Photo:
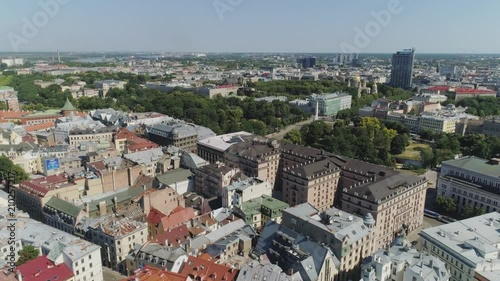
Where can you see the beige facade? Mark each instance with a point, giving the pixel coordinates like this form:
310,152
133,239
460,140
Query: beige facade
163,200
256,157
211,179
396,201
77,136
117,238
314,183
351,238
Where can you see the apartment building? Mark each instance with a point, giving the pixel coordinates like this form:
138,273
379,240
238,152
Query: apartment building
295,253
155,255
149,273
255,157
330,104
313,182
62,215
243,190
469,248
395,200
256,212
105,85
402,262
471,181
200,268
351,238
77,136
117,238
148,160
32,195
211,179
81,257
181,135
115,172
213,148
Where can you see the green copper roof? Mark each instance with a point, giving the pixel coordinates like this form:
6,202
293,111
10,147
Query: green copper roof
68,106
64,206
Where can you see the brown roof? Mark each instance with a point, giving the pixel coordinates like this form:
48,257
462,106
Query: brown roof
155,274
204,268
174,237
177,217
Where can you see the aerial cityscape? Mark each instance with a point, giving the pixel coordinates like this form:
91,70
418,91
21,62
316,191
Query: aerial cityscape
230,140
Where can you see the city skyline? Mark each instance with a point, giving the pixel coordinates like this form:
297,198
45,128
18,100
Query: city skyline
223,26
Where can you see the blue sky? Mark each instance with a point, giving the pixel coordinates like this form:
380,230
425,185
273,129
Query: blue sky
444,26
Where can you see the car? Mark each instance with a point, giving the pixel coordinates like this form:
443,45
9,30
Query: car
446,219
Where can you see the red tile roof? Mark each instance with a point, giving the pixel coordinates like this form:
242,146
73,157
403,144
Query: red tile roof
155,216
149,273
207,269
468,91
173,237
439,88
42,269
177,217
37,127
134,142
43,185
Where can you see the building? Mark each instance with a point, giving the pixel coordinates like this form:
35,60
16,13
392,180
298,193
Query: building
210,180
471,181
77,135
469,248
32,195
42,268
402,68
147,159
155,255
394,199
255,157
117,238
204,268
149,273
243,190
62,215
351,238
183,136
81,257
315,183
212,91
308,62
13,62
50,115
295,253
128,142
330,104
105,85
256,212
9,96
401,262
271,272
213,148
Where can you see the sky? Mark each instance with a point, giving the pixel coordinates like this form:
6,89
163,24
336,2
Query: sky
322,26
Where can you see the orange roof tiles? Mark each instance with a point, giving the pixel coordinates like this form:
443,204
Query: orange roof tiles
155,216
37,127
204,268
149,273
178,217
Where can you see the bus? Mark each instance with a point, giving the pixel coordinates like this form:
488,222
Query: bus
431,214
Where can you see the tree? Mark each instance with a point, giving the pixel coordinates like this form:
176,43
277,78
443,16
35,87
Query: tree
26,254
20,174
399,143
445,205
294,136
427,157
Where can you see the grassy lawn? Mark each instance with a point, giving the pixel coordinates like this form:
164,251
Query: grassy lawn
5,80
412,151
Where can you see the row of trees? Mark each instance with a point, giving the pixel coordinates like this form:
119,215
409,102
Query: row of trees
448,206
7,165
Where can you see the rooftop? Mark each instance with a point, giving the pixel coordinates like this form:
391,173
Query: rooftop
476,165
223,142
473,241
44,269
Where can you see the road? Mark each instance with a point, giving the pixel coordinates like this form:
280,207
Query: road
279,135
428,223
